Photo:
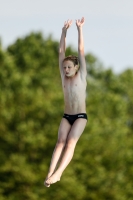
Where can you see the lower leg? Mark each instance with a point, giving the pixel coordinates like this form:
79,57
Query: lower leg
55,159
67,156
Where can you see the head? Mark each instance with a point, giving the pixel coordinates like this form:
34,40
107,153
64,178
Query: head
70,65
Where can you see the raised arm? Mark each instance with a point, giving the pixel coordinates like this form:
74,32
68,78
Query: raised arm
62,45
79,24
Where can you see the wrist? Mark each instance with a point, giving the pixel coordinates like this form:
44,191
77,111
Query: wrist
79,28
64,30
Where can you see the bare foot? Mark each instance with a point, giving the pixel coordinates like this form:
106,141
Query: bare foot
45,182
54,178
47,185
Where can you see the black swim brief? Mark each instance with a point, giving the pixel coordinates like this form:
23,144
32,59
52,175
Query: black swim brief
73,118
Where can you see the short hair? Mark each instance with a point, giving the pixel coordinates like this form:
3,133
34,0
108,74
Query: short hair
72,58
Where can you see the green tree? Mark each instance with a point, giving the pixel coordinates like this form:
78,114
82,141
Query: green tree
31,107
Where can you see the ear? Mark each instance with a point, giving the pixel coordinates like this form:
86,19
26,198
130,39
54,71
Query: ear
76,67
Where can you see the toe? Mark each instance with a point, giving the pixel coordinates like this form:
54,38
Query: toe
46,184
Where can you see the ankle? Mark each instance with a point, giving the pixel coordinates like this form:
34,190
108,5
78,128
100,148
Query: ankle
50,174
59,172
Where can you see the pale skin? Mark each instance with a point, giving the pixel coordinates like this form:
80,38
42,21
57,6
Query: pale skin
74,88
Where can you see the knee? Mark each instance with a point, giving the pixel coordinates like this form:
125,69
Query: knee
60,143
70,143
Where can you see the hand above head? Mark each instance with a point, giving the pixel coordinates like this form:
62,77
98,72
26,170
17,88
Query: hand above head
79,23
67,24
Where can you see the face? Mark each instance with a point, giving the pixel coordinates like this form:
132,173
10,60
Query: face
69,68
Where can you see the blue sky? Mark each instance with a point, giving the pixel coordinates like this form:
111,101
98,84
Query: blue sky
108,28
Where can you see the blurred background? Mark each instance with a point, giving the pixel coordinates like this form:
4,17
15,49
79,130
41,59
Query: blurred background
31,99
108,30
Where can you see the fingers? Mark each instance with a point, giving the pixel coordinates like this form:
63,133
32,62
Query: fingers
80,22
82,19
67,23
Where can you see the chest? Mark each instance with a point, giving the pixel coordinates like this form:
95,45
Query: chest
73,84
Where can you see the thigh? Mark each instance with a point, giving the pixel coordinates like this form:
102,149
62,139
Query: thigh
77,129
64,130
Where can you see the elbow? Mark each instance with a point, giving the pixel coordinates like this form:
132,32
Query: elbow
61,50
81,50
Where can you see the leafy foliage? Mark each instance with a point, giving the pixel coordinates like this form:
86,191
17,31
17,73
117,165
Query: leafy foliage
31,107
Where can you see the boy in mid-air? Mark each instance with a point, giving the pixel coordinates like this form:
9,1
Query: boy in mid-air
75,118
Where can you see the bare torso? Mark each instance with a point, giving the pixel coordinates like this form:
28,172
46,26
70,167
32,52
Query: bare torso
74,89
